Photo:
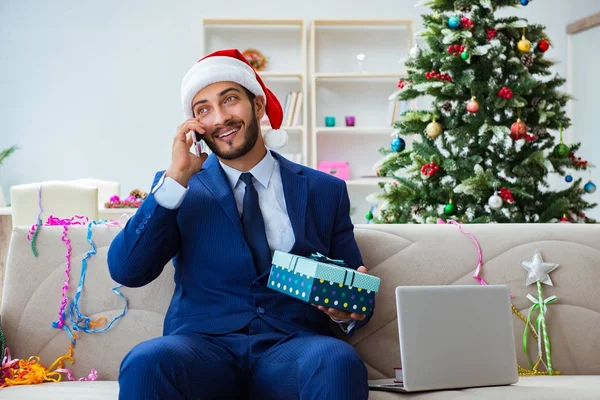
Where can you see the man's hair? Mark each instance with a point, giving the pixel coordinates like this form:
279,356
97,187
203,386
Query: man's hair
250,95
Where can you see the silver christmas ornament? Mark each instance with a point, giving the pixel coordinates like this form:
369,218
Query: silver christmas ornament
495,202
415,52
538,270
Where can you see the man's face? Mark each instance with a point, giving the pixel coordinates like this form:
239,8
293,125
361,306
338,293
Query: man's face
229,117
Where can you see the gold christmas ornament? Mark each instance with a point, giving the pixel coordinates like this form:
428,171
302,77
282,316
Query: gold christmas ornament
434,129
524,45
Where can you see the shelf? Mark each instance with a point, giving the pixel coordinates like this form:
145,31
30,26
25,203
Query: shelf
363,22
280,75
355,75
254,22
374,181
354,130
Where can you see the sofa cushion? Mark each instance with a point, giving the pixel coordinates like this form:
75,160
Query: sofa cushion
532,387
441,255
538,387
32,297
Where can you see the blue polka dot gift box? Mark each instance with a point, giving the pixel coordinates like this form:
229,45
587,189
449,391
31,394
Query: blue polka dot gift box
321,280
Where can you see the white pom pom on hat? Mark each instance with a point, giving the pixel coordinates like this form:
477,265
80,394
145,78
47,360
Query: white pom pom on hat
231,65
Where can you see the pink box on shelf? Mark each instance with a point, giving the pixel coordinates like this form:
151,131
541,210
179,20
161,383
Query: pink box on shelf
341,169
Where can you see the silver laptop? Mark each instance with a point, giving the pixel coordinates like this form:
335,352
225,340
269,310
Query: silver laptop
454,337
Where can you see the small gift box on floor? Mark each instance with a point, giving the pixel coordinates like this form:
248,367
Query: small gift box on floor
320,280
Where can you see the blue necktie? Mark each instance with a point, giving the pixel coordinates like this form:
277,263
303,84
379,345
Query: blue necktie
254,226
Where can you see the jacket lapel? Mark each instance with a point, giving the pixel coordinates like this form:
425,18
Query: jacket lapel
295,189
214,179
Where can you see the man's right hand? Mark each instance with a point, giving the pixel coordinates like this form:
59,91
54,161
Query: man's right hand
184,163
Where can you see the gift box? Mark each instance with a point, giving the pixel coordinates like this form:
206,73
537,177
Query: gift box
341,169
321,280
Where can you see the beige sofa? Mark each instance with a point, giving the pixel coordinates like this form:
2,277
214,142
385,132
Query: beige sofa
399,254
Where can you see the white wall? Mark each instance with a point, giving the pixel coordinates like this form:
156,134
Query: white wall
91,88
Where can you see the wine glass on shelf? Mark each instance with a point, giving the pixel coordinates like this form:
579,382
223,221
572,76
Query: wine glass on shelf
361,58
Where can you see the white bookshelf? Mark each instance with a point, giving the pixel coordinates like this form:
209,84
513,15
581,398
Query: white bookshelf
342,86
283,42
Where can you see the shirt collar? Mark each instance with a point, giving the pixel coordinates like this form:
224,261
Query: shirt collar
262,171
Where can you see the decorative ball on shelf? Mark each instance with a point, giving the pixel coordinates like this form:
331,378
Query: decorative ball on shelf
454,22
561,150
518,130
589,187
450,209
398,144
415,52
465,55
369,215
256,59
524,45
473,105
524,2
495,202
568,178
434,129
543,45
138,194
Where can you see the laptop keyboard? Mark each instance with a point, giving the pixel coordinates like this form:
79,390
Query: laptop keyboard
392,385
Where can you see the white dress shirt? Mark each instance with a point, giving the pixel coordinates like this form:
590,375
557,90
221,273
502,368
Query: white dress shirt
267,181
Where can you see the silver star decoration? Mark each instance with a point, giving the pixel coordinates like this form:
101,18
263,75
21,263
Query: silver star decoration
538,270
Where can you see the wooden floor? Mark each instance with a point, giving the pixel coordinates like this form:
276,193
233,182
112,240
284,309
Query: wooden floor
5,232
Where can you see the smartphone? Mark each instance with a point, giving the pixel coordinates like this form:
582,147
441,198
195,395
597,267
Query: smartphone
198,143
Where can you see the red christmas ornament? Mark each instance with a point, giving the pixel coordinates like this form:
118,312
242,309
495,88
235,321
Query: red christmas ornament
491,33
518,130
455,49
437,75
506,195
577,161
543,45
473,105
466,22
505,93
429,169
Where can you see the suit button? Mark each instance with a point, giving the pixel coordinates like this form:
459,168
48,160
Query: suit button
148,215
260,310
138,231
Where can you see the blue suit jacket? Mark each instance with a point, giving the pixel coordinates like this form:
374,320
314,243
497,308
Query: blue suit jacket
217,288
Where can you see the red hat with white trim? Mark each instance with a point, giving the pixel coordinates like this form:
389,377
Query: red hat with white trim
231,65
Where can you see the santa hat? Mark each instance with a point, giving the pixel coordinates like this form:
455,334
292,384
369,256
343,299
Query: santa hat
231,65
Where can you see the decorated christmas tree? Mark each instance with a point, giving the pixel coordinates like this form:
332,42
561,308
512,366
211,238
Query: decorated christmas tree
485,149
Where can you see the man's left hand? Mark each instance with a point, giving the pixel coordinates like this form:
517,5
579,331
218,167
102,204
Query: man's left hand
340,315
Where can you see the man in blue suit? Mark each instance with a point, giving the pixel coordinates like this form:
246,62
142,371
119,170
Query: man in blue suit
220,218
